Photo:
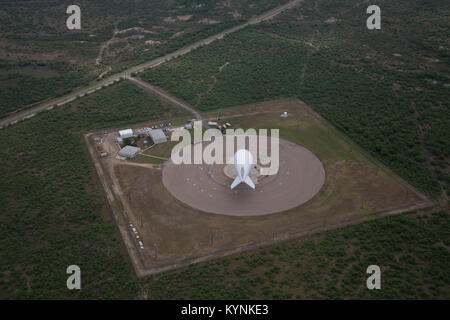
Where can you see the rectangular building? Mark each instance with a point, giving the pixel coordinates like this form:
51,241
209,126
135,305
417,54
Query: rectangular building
127,133
129,151
158,136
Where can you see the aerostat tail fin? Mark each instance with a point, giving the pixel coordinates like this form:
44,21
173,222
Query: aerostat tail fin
249,181
238,180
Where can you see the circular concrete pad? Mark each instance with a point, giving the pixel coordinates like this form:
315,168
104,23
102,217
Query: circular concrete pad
300,177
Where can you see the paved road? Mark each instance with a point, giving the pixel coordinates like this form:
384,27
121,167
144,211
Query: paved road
165,96
30,112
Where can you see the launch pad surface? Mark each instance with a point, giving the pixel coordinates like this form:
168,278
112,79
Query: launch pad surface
300,177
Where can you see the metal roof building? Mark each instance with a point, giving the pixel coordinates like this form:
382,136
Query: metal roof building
128,133
129,152
157,136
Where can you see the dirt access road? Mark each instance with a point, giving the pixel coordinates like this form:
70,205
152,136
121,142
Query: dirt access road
34,110
170,99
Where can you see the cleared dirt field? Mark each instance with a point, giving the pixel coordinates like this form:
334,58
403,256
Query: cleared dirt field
356,189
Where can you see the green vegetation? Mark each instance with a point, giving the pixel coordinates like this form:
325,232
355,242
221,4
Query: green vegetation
53,209
114,36
162,150
54,215
53,212
387,89
130,142
247,67
28,82
144,159
411,250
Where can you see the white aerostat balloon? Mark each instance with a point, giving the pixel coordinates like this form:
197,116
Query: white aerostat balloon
243,161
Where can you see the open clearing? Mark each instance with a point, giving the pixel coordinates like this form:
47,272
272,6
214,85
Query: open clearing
356,189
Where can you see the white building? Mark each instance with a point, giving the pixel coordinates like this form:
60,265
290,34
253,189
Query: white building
158,136
127,133
129,152
284,115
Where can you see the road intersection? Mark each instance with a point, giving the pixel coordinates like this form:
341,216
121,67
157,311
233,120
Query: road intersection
24,114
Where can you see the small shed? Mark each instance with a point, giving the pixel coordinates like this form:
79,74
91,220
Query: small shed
158,136
127,133
129,151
